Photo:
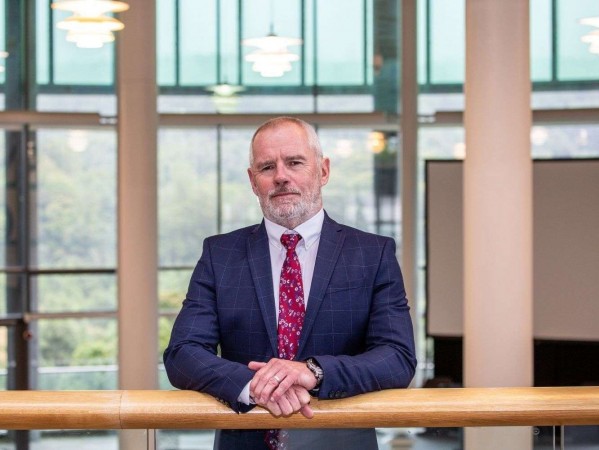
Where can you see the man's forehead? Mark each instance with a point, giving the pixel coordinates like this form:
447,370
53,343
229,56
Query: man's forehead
281,131
271,152
266,146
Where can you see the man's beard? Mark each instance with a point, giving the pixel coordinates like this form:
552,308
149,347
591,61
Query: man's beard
296,211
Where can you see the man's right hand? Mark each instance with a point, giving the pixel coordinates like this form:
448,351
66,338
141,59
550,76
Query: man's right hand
295,399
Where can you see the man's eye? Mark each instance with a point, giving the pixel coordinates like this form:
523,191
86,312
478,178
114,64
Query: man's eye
266,168
294,163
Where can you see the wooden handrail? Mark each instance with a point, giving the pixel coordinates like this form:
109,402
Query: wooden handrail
29,410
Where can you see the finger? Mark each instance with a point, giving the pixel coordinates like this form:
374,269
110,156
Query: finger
285,406
271,385
261,378
303,396
307,411
274,408
256,365
293,400
265,387
283,388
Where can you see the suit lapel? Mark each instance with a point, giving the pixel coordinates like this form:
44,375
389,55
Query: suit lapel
329,248
260,267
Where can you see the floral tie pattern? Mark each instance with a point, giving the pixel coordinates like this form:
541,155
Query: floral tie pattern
291,300
291,319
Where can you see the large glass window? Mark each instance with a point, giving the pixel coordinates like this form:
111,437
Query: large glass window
73,258
76,199
58,185
563,71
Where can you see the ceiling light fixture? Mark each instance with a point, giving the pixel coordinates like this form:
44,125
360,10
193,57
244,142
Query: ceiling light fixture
89,27
592,37
3,55
225,97
272,58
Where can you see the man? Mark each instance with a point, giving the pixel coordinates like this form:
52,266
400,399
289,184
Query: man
299,305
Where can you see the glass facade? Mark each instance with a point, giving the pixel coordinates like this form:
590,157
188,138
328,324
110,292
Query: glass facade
58,185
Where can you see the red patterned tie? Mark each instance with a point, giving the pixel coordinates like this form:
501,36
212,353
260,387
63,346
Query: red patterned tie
291,319
291,300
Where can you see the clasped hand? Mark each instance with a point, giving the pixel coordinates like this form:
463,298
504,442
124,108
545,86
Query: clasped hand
282,386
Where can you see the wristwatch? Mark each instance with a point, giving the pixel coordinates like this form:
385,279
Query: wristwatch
318,374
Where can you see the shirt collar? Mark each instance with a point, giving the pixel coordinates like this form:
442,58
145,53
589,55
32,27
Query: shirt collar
309,230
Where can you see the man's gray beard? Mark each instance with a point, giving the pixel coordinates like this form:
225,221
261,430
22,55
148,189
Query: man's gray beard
301,211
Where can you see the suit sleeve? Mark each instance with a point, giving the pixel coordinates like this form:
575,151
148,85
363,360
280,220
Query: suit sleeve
389,358
191,358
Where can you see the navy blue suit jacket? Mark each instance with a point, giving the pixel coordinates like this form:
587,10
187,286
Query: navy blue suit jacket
357,323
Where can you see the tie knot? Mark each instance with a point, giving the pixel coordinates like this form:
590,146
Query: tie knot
289,241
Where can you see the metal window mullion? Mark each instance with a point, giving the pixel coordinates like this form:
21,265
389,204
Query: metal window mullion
177,43
239,46
428,51
29,172
36,316
219,180
218,44
315,53
365,39
554,39
303,46
50,44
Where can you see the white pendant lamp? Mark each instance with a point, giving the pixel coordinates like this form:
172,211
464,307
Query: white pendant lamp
89,27
591,38
224,96
272,58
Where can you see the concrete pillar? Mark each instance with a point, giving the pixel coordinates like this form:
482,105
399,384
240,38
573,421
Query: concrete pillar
497,208
408,93
137,204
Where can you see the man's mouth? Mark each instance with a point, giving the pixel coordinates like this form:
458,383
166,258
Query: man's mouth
283,194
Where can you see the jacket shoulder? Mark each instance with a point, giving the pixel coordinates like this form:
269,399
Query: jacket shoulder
362,237
232,239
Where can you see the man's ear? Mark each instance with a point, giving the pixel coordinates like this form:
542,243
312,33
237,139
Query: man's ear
252,180
325,170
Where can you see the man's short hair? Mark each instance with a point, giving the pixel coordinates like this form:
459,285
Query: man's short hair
311,136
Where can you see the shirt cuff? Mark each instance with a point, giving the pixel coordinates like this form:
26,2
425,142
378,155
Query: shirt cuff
244,396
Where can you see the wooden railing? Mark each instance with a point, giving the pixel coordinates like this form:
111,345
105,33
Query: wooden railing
28,410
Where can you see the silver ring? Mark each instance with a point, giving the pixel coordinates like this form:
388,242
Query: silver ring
277,379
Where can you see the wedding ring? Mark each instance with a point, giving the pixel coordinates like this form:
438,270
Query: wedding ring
277,379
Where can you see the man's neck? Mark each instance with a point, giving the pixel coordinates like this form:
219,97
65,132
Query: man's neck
294,222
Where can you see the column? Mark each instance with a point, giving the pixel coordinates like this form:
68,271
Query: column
409,164
497,208
137,205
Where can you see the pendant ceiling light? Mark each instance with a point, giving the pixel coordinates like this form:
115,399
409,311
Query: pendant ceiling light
272,58
591,38
89,27
225,97
3,55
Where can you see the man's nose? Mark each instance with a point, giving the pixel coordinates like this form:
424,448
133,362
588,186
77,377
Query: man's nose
281,175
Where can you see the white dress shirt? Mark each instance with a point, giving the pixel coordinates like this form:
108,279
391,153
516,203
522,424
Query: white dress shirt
306,250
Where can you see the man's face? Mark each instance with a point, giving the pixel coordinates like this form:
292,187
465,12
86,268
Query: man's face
286,175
